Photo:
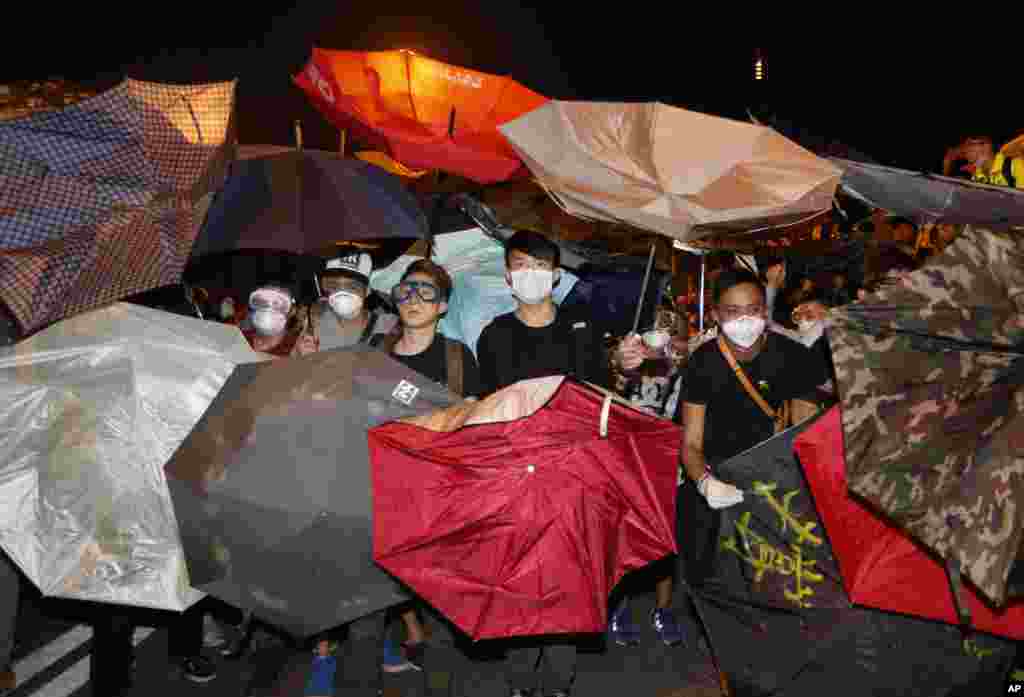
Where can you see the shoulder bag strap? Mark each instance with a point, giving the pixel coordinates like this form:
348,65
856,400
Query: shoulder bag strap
453,354
745,381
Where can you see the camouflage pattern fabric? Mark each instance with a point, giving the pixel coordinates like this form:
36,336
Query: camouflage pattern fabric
104,199
930,375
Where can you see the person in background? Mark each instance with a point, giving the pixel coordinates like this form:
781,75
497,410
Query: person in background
343,318
272,322
839,294
323,671
904,235
422,298
809,318
984,164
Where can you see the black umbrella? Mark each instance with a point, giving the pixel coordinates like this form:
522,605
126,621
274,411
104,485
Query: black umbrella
304,200
780,622
930,198
272,487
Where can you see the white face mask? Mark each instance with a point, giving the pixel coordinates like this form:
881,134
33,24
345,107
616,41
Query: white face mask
532,286
345,304
810,330
268,322
744,331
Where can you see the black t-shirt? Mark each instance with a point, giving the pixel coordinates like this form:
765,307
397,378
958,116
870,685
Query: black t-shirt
783,370
510,351
433,363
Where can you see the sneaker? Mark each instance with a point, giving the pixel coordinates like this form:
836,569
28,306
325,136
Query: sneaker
214,636
516,692
622,630
668,629
395,662
199,669
558,693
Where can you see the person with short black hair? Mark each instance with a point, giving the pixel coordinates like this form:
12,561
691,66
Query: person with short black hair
539,339
736,390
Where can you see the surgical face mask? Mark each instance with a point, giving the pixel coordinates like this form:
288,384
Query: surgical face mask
346,304
532,286
744,331
268,322
810,330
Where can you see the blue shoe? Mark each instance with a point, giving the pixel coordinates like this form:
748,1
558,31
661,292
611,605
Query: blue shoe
668,629
622,630
394,661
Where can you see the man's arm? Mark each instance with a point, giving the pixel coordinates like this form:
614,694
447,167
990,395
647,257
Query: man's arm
487,364
693,440
803,410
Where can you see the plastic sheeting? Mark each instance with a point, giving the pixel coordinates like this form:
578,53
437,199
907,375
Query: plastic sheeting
90,411
476,263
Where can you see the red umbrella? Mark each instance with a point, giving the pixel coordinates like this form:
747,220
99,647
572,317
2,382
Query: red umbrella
426,114
881,566
523,527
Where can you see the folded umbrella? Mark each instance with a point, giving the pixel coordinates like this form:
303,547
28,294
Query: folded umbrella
524,512
679,173
91,409
424,113
272,487
105,198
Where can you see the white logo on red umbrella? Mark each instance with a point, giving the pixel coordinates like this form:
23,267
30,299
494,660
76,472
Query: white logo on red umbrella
464,79
321,83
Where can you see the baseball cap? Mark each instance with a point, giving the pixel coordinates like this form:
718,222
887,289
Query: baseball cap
357,265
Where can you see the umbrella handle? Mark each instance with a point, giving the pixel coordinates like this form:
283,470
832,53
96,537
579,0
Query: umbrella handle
643,289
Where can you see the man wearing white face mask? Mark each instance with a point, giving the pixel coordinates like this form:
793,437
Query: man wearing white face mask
343,319
730,386
538,339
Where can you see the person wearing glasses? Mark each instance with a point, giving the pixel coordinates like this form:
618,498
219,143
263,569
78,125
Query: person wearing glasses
344,317
422,298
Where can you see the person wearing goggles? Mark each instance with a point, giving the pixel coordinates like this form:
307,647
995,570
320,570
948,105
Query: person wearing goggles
422,299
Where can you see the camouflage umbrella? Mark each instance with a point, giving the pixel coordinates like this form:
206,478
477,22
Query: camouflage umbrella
105,198
930,374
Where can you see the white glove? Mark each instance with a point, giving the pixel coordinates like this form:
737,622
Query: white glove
717,493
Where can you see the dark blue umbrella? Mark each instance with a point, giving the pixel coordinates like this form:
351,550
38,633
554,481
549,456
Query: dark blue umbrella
305,200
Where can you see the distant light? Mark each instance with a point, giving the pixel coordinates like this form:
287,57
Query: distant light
759,69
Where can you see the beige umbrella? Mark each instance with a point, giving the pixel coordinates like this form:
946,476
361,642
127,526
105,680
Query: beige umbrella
679,173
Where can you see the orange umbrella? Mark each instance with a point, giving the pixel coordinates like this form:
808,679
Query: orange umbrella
424,113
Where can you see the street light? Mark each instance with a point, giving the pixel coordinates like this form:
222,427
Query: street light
760,67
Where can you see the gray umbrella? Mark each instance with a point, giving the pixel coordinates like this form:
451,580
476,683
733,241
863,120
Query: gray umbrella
272,487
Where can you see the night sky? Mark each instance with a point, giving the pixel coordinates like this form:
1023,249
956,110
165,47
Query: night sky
899,102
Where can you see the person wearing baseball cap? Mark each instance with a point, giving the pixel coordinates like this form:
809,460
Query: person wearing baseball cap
342,318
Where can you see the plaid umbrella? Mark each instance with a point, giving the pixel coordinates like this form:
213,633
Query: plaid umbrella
104,199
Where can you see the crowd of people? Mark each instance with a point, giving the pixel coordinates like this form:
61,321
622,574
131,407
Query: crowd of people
761,364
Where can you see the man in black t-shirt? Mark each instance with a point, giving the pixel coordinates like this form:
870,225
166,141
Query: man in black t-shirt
540,340
722,419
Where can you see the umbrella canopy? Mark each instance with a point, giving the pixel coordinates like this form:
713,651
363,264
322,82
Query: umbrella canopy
881,565
930,198
779,621
524,513
931,387
426,114
92,408
104,198
302,200
272,487
679,173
